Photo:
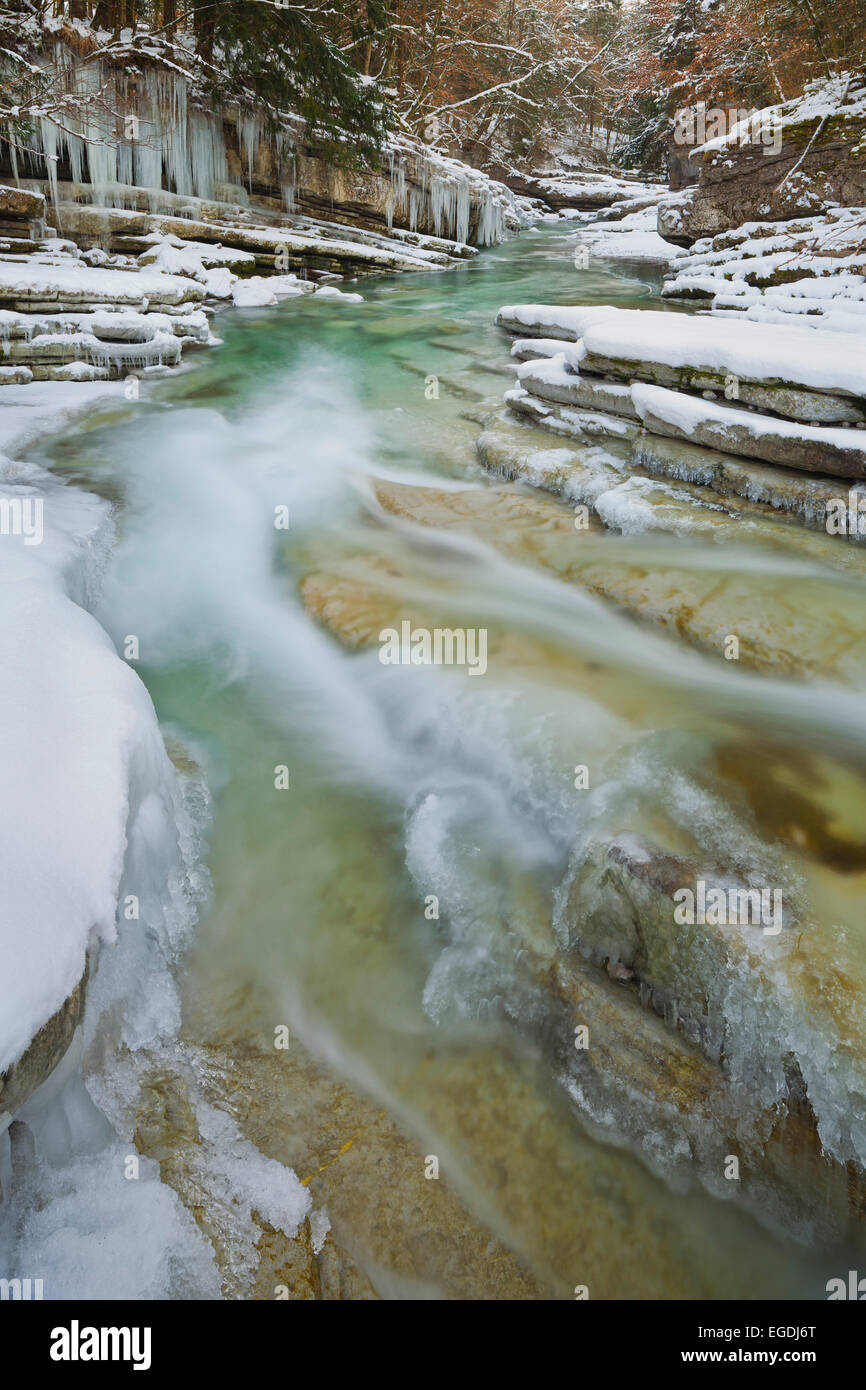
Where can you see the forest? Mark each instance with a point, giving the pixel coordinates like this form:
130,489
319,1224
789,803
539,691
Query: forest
497,83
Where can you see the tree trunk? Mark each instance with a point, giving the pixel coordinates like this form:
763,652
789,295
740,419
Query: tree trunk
107,15
204,23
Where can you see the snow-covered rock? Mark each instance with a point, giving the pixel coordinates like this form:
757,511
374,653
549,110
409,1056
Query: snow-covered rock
68,284
331,292
622,364
631,238
685,349
808,270
260,291
835,451
588,190
813,162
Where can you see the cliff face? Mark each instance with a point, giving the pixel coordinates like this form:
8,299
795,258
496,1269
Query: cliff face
802,157
144,126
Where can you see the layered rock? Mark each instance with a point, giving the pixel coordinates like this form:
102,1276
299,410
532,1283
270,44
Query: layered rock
132,288
302,243
64,318
788,161
22,218
656,484
697,380
233,155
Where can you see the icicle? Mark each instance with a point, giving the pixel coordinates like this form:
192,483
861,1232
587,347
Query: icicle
462,211
13,156
124,164
147,163
48,136
168,96
207,154
248,140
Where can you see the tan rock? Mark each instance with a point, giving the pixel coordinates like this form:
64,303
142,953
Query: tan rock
42,1056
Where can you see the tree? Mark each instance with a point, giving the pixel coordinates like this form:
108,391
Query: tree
739,53
289,59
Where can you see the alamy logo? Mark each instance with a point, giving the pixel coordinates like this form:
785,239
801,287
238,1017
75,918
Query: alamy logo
731,907
76,1343
21,1290
847,517
854,1289
22,516
695,125
438,646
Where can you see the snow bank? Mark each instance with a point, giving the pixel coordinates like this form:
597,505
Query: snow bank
85,783
633,237
762,352
84,768
73,280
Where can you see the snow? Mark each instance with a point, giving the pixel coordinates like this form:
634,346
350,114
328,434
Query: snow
761,352
80,371
551,369
687,413
26,412
253,293
554,320
331,292
634,238
261,291
85,767
177,255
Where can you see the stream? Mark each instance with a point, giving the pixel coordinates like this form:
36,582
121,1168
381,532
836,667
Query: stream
399,908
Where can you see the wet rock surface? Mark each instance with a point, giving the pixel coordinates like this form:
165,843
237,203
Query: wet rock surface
46,1050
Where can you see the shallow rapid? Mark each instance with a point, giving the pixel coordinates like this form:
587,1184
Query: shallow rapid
385,860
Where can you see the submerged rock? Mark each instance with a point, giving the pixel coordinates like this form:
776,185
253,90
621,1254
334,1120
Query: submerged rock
660,1002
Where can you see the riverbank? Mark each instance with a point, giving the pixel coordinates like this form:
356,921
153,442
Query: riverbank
452,1035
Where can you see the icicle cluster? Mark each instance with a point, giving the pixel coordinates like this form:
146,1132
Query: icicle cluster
140,130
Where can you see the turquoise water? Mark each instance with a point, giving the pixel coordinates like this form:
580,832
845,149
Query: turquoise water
409,783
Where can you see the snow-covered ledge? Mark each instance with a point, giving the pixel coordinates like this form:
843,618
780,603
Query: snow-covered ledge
88,795
774,393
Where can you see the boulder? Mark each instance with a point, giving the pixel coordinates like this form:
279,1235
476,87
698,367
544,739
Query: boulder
17,204
816,162
672,220
48,1048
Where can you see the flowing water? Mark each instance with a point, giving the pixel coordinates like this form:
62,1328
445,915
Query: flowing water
410,786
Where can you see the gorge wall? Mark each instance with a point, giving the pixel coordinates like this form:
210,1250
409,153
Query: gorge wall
143,125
